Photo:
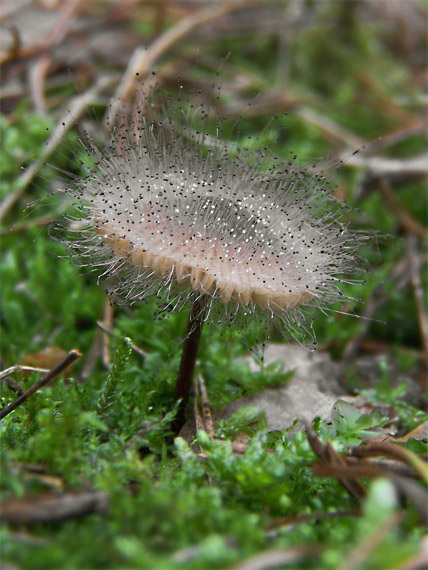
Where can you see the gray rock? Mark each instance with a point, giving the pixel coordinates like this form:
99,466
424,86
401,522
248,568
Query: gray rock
316,386
311,392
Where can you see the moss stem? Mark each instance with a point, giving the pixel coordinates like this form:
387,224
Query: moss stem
188,360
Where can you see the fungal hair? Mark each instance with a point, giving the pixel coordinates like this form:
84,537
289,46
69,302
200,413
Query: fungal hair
168,209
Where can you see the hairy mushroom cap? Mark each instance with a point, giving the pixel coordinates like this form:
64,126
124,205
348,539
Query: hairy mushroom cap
174,213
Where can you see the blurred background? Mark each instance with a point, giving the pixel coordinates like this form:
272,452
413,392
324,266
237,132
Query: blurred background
319,79
350,75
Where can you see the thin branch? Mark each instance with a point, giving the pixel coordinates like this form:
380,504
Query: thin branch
143,60
331,129
395,451
401,274
18,368
61,29
390,168
93,354
52,507
351,484
198,419
383,101
14,49
376,300
360,553
275,525
108,321
75,111
72,356
362,469
277,558
206,412
328,456
418,291
63,25
403,216
393,137
133,346
37,74
40,221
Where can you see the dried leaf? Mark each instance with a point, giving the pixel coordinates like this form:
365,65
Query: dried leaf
46,358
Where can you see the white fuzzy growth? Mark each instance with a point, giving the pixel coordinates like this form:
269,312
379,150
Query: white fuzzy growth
167,215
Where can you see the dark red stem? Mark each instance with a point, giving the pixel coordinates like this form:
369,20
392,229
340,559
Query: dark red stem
188,360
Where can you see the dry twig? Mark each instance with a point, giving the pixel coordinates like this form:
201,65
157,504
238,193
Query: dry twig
76,109
13,51
52,507
276,524
360,553
71,357
40,221
395,451
401,274
37,76
403,216
143,60
133,346
18,368
198,419
92,357
330,129
384,103
206,412
328,456
61,29
418,560
389,168
108,321
276,558
418,292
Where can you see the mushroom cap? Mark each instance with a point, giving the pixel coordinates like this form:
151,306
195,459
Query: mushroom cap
177,216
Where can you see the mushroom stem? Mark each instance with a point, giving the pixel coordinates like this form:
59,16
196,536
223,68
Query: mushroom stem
188,360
